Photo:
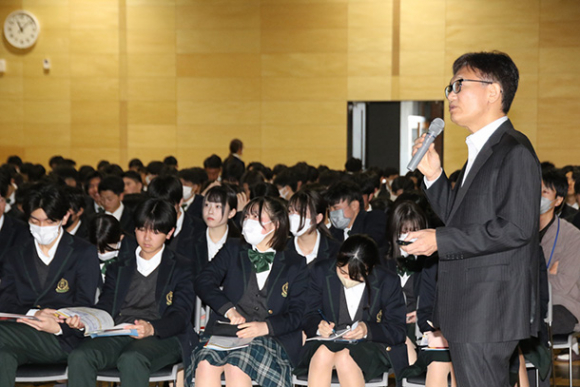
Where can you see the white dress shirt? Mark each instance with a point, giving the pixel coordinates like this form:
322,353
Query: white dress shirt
1,221
118,212
213,248
179,224
353,298
188,202
74,230
147,266
263,276
47,259
312,256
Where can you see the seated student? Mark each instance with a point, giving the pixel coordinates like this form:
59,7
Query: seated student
111,193
560,241
353,287
133,182
311,239
348,216
287,183
12,231
369,183
187,228
52,270
213,167
192,180
77,223
149,289
135,165
261,288
219,208
92,182
106,234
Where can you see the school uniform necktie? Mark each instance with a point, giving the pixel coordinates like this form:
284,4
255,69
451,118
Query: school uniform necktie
261,261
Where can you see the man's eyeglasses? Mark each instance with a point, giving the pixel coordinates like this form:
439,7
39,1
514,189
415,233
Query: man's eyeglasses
456,86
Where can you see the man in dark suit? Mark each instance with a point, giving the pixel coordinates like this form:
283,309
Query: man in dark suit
487,296
54,270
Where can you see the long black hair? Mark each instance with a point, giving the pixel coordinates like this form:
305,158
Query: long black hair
310,200
278,213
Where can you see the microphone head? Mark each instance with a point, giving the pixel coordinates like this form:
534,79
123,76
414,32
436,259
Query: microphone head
436,127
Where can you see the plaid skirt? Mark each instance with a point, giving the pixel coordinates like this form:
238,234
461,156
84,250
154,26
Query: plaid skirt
265,361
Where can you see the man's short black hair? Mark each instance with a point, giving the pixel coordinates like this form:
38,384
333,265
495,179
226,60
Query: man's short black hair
343,190
155,168
287,177
36,173
170,161
194,175
213,161
65,172
367,181
135,163
233,172
353,165
133,175
112,183
329,177
156,214
76,197
236,145
390,171
103,164
113,169
402,182
14,160
575,171
167,188
493,66
556,179
251,178
55,160
48,196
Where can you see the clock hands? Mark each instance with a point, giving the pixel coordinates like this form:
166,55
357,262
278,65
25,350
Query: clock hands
19,26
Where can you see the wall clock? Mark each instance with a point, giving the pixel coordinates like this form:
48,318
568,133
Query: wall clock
21,29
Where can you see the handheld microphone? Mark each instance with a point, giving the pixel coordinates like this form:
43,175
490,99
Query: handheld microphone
435,130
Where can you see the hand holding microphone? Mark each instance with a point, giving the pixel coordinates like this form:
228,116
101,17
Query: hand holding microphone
424,155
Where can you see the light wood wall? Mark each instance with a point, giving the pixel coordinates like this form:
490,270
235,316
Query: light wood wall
148,78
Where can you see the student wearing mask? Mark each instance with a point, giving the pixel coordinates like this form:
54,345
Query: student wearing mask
150,289
347,291
111,190
348,216
261,288
193,179
311,239
52,270
106,234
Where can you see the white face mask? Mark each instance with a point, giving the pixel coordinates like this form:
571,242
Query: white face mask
252,232
45,235
187,191
295,224
107,255
284,193
545,205
347,282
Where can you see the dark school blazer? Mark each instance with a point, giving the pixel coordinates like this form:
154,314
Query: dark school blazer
327,249
13,232
286,300
384,315
200,252
196,207
183,243
72,280
173,292
373,223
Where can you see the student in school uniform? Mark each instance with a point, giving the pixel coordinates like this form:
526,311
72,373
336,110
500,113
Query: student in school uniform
92,189
133,189
187,228
77,224
213,167
192,180
219,208
150,290
311,238
354,288
261,288
111,190
348,216
12,231
52,270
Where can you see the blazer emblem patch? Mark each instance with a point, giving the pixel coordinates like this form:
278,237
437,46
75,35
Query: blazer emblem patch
169,298
285,290
379,316
62,286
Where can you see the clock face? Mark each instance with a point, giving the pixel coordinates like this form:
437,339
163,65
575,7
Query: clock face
21,29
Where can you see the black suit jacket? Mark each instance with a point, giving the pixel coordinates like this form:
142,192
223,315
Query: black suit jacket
12,233
287,283
184,243
200,257
373,223
488,278
127,222
196,207
173,292
327,249
384,314
72,280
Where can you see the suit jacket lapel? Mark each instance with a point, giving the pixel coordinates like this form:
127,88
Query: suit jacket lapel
61,257
29,256
246,268
479,161
375,290
333,287
166,268
322,248
278,267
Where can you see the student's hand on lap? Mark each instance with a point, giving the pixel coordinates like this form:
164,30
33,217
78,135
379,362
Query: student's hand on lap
325,328
252,329
144,329
48,313
74,322
45,324
234,317
357,333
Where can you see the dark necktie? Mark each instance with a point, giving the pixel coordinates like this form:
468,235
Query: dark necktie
261,261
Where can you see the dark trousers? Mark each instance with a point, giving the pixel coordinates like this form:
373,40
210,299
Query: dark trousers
21,344
135,359
482,364
563,321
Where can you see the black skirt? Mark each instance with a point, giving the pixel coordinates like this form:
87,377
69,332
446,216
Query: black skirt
370,357
424,358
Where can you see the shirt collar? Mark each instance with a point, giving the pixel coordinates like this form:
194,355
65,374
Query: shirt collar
188,202
118,212
47,259
310,257
74,230
146,267
179,224
479,138
221,242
